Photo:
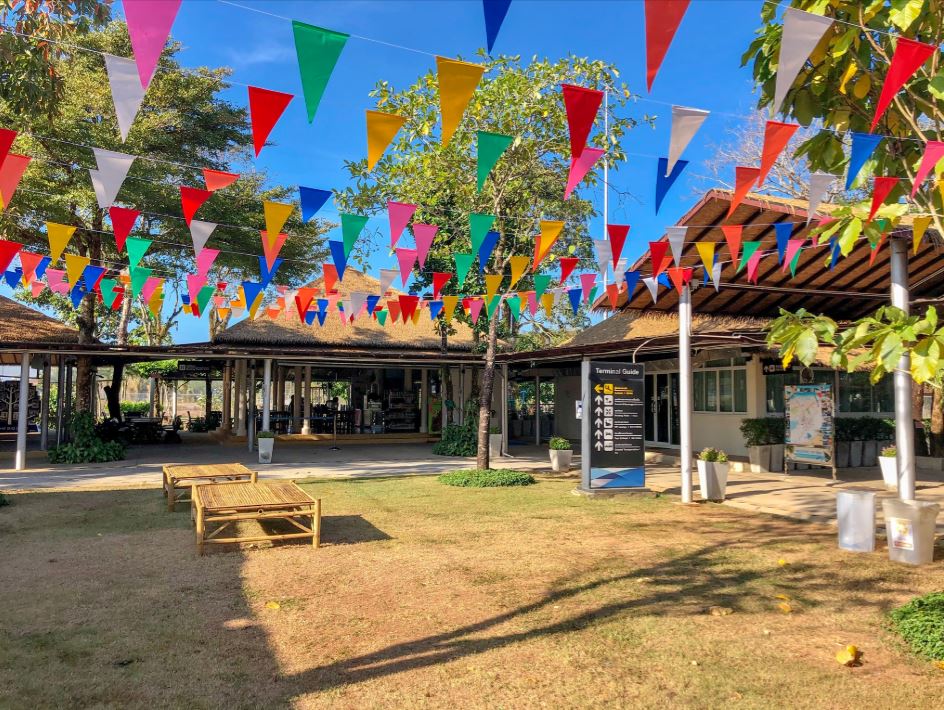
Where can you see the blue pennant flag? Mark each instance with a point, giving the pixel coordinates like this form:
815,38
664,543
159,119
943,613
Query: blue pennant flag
252,290
372,303
91,275
310,317
265,273
632,280
575,294
41,267
485,251
783,231
664,182
495,11
338,256
321,315
77,294
185,299
863,145
13,277
834,252
312,200
434,308
664,280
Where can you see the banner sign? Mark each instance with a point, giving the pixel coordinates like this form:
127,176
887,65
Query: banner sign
616,417
810,435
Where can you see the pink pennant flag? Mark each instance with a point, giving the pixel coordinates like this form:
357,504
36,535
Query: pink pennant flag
150,286
933,153
424,234
406,258
194,283
400,214
580,167
793,248
56,280
271,251
475,309
37,287
149,23
586,283
206,257
533,302
753,265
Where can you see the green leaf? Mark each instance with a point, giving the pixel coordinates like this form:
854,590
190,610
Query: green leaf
936,86
806,347
903,13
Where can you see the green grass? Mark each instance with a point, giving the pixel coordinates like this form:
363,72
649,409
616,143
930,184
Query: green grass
486,478
920,623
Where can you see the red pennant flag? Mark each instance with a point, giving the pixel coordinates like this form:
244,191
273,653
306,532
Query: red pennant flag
657,251
587,282
612,294
881,188
11,172
408,305
7,251
776,137
732,235
265,110
271,250
581,105
394,308
617,234
122,222
662,20
29,262
933,153
877,248
191,199
681,276
744,179
217,179
7,136
302,300
567,264
330,272
909,56
439,280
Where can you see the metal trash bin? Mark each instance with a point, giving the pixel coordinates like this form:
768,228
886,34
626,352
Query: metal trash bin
855,515
910,528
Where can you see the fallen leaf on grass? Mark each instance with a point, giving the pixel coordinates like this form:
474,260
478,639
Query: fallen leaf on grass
782,596
273,605
850,656
939,664
784,607
782,562
720,610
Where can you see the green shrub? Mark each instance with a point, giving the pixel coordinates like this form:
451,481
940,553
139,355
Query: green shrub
4,500
458,440
864,429
920,623
890,451
763,432
486,478
86,446
265,435
559,443
141,408
713,455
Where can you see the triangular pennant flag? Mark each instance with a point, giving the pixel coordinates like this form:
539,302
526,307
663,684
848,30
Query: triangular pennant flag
706,252
7,137
519,264
491,305
475,309
602,249
457,83
312,200
632,280
612,295
575,295
863,145
194,283
330,273
676,238
680,277
338,256
122,220
77,294
381,128
567,266
107,286
802,31
490,149
532,302
581,105
59,236
776,137
386,278
56,280
400,214
550,231
218,179
14,277
492,283
657,251
479,225
449,307
406,258
11,172
75,265
587,282
382,317
495,11
514,305
732,235
665,181
424,235
783,230
150,288
191,199
112,170
753,264
200,234
136,250
303,299
663,18
933,153
126,91
372,300
908,58
488,246
716,276
271,249
205,260
819,184
547,300
748,251
34,265
267,271
276,215
8,250
203,297
351,227
744,179
881,188
876,248
685,124
918,227
318,51
617,234
253,292
265,110
541,282
435,308
580,167
792,256
149,23
439,280
834,249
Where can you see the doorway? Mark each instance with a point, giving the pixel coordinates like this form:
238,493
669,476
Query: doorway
662,409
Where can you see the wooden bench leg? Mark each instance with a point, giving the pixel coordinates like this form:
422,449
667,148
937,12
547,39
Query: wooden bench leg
199,525
316,524
171,496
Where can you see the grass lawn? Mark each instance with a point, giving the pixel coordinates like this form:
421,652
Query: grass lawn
427,595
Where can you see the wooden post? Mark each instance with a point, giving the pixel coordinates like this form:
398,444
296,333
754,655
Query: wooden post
227,396
44,406
306,424
297,402
60,398
22,413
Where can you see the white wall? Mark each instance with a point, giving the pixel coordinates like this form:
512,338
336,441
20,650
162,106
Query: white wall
566,393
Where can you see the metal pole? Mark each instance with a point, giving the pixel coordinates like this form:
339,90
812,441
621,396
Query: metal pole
904,421
585,424
606,183
537,410
44,407
227,396
68,403
22,413
685,390
266,393
241,398
306,424
424,400
251,413
462,394
504,409
297,401
60,394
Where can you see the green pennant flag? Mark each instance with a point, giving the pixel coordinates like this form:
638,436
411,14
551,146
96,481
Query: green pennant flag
541,282
351,227
318,51
747,251
514,305
382,317
204,296
793,263
479,224
492,305
463,264
136,250
107,287
593,294
491,147
138,276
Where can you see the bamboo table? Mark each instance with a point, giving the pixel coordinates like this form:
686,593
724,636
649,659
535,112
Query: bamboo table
217,507
186,477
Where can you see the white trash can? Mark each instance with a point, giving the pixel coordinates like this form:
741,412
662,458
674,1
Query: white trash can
855,514
909,526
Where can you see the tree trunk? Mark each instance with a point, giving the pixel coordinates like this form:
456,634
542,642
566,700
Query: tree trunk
113,392
937,422
917,409
485,396
125,319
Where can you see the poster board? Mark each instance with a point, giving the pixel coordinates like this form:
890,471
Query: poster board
810,431
615,420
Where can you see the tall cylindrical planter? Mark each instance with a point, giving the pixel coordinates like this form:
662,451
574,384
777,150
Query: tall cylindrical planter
855,453
713,479
560,460
910,528
855,517
759,457
265,449
889,465
776,457
494,445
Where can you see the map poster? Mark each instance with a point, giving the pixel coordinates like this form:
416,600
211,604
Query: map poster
617,425
809,426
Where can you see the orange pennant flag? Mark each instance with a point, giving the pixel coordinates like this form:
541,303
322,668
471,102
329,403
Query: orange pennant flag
381,128
11,172
550,231
744,179
776,137
492,282
271,249
547,300
276,214
519,264
457,83
449,307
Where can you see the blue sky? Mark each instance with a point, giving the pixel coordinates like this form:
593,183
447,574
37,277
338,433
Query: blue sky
702,69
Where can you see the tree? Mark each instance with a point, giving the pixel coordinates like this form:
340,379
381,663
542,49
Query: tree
514,98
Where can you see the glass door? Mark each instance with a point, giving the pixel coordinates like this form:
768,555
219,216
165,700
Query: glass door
662,408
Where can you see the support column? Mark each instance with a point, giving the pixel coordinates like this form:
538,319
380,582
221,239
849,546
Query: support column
68,403
537,410
209,397
504,409
22,413
462,394
251,411
685,391
408,379
585,442
266,394
227,397
241,399
297,403
306,423
280,388
173,402
424,401
152,392
60,398
44,406
904,419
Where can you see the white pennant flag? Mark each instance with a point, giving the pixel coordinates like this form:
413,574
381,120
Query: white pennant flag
716,275
802,31
685,124
200,233
107,180
358,299
652,283
676,237
386,278
619,269
819,184
126,91
604,252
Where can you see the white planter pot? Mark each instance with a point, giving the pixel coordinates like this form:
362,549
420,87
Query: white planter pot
776,457
560,460
494,445
713,479
265,450
759,457
889,465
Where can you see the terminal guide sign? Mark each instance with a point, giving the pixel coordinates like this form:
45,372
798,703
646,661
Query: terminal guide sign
617,425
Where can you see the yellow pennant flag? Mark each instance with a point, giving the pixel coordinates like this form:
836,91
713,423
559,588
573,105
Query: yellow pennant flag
381,128
550,231
255,305
157,300
919,226
188,309
457,82
416,315
75,265
276,214
449,307
221,313
59,236
240,300
492,282
706,250
547,300
519,265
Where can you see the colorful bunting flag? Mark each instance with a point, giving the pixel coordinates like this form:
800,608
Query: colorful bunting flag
581,105
776,137
604,254
550,231
122,221
8,250
479,225
108,287
575,295
881,188
111,173
908,57
475,309
34,265
519,264
253,292
311,201
706,252
126,91
541,282
665,179
267,270
567,266
488,246
587,282
7,137
200,234
75,265
381,129
663,18
338,256
218,179
400,214
632,280
457,83
863,145
491,146
351,227
265,109
435,308
406,258
11,172
149,23
580,167
386,279
792,255
440,278
819,185
59,236
617,234
676,239
782,230
685,124
680,277
330,273
205,260
424,234
933,153
136,249
318,51
802,31
749,251
918,227
657,252
547,301
449,307
744,179
192,199
495,11
270,248
492,283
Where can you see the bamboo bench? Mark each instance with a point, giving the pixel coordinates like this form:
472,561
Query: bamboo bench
216,508
186,477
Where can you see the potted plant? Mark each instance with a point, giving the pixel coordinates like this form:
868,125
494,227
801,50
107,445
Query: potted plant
494,442
713,473
889,463
265,441
561,454
764,441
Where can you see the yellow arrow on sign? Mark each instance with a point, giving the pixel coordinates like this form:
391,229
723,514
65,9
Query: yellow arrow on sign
598,388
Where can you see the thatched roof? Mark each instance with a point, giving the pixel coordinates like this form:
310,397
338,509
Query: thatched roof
640,325
365,332
21,324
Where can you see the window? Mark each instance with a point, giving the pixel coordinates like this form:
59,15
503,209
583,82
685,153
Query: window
721,386
856,394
